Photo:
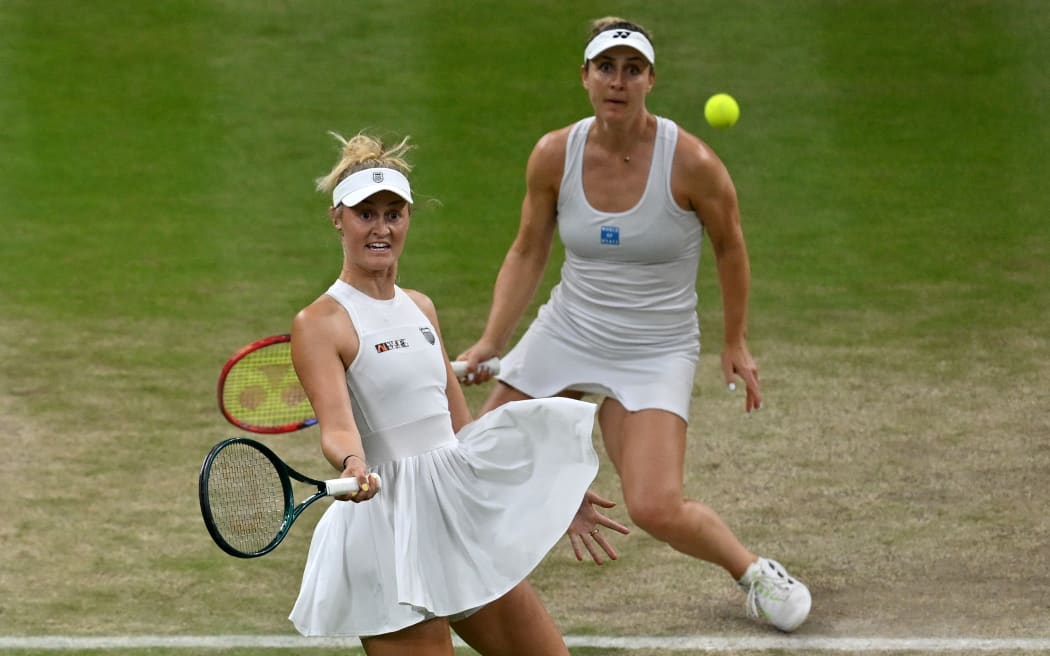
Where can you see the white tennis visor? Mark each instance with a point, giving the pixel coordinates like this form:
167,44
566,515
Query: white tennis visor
356,187
612,38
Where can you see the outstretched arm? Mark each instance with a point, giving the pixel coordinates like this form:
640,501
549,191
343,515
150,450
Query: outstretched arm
522,269
323,341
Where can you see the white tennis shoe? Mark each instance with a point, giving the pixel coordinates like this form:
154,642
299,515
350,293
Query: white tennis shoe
773,595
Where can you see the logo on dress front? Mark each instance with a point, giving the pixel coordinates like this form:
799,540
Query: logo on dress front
427,334
383,347
610,235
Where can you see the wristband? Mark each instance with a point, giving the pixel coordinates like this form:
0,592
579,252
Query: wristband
352,455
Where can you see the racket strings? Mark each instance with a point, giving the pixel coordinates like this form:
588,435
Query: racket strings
246,497
262,390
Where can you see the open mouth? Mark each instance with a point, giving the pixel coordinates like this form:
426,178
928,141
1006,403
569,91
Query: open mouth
378,246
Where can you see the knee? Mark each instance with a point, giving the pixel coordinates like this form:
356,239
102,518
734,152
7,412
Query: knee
656,516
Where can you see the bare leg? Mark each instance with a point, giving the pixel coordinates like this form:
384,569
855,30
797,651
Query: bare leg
516,624
500,394
648,450
429,638
504,393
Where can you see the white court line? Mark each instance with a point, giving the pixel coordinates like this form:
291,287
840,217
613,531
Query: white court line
670,643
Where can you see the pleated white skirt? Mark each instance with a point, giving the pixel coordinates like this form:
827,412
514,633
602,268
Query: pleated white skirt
455,526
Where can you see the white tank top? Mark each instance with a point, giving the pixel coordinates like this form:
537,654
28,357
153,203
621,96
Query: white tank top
397,381
629,278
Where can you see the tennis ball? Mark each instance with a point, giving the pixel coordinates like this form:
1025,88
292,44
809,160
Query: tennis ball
721,111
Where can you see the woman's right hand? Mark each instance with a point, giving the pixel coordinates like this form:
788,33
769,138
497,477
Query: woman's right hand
475,355
368,482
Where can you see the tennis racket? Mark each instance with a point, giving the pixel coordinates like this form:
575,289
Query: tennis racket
259,391
247,499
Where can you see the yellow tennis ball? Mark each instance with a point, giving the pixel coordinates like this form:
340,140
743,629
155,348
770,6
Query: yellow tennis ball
721,111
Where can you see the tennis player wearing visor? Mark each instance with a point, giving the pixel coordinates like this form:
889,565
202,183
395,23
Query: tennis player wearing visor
631,196
467,508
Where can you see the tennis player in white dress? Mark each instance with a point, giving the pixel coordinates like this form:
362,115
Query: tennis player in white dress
632,196
465,510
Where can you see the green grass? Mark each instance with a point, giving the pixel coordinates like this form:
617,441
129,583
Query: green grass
156,204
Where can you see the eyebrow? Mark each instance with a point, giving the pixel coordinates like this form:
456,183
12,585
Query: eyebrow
632,58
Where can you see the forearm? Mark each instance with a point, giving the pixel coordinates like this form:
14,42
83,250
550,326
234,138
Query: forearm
734,275
338,446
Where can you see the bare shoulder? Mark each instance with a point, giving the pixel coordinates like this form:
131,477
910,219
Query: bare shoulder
321,331
695,157
322,307
544,170
698,177
548,155
553,143
325,317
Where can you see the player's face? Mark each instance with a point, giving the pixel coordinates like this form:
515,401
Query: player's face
617,81
374,230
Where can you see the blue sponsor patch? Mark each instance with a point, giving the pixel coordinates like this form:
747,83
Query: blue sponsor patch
611,235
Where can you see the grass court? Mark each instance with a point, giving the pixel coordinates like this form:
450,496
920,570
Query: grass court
157,212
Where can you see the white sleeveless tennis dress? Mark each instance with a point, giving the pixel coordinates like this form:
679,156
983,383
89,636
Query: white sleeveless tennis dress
622,321
461,519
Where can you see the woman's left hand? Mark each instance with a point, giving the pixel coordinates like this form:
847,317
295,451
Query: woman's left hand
737,361
585,529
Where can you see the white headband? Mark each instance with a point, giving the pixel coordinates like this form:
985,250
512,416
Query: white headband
612,38
356,187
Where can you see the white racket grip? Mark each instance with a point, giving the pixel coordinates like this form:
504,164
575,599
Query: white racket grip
339,486
459,367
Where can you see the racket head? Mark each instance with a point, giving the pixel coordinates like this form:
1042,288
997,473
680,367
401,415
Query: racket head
259,392
246,497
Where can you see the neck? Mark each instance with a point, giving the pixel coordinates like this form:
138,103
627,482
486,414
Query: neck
377,284
622,139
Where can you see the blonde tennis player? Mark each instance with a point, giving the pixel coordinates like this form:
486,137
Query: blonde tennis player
466,509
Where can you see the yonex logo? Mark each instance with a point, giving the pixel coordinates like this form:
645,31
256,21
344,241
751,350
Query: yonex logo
377,176
610,235
621,34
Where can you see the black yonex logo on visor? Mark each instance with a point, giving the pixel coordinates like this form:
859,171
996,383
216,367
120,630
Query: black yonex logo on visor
621,34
